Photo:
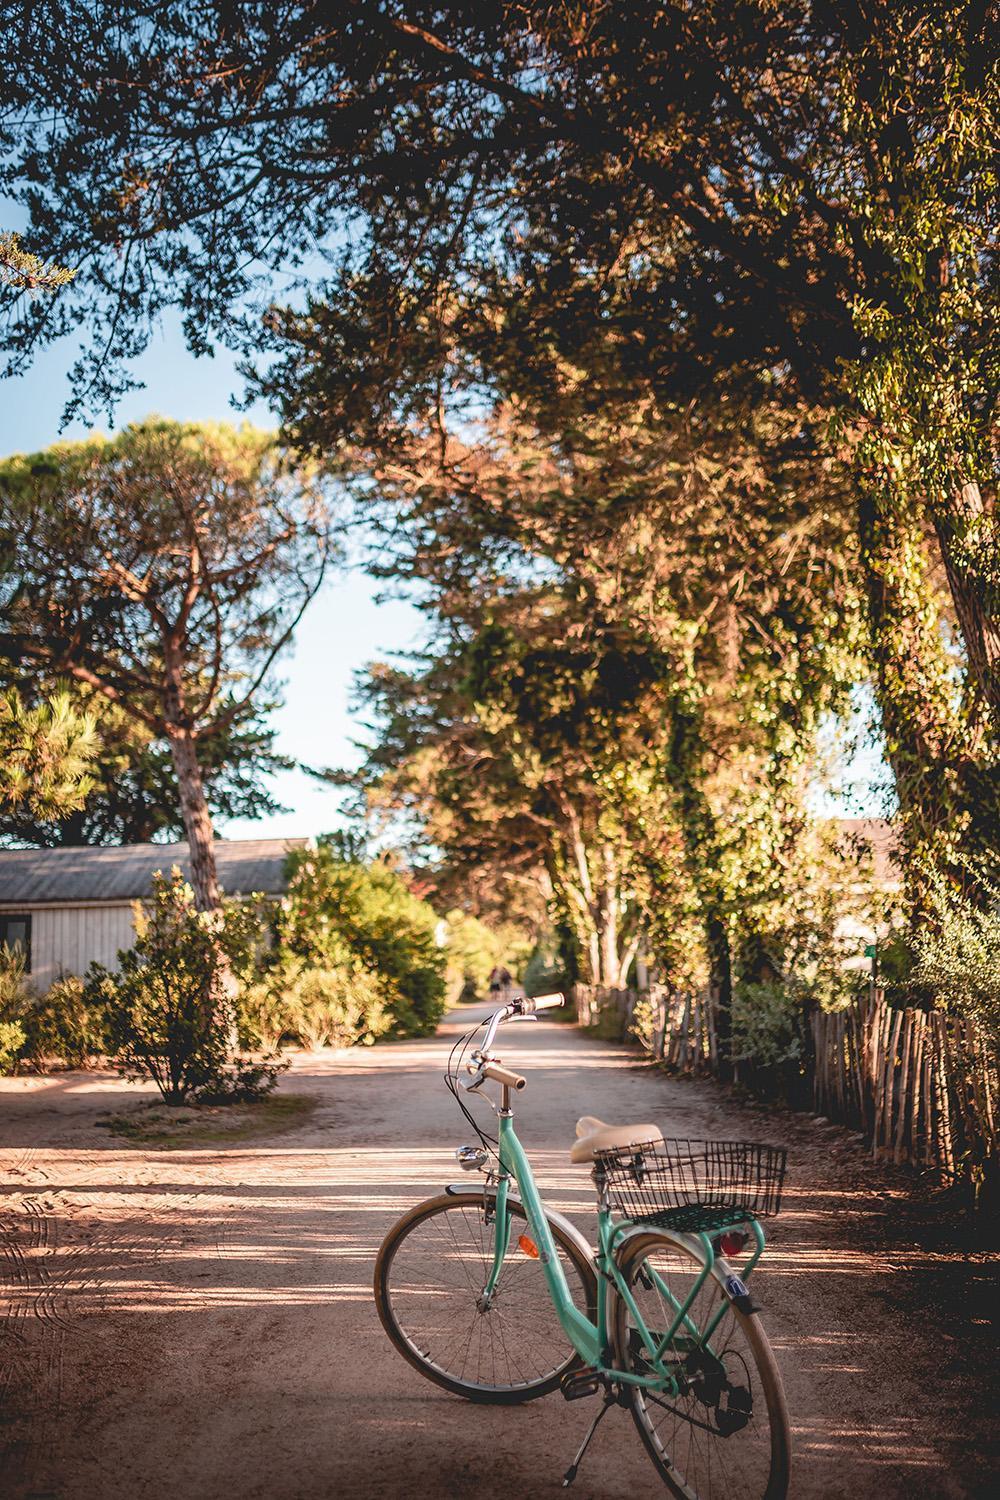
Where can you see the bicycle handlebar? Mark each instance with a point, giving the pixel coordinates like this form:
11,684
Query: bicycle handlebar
522,1006
501,1075
541,1002
482,1065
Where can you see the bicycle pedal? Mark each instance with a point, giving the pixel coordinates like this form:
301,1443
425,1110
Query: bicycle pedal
580,1383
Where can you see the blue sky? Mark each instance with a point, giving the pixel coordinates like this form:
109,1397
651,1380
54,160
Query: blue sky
344,627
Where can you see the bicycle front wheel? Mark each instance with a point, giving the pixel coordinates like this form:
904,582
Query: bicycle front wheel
430,1276
724,1430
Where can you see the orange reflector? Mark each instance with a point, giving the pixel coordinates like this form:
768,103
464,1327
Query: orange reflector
528,1246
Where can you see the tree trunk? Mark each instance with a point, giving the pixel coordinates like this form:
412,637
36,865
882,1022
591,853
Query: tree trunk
197,820
969,546
607,919
641,966
700,836
942,780
720,960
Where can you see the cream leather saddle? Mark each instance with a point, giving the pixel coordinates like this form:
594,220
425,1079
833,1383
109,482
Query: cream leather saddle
593,1135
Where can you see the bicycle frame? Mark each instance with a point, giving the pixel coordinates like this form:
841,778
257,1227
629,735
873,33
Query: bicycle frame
590,1339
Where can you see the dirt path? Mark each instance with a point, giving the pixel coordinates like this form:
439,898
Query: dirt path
200,1323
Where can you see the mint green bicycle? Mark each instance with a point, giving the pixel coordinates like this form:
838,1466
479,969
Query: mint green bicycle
497,1298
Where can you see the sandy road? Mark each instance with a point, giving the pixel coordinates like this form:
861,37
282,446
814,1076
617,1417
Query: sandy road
200,1323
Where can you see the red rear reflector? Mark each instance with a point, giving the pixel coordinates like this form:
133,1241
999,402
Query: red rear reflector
732,1243
528,1246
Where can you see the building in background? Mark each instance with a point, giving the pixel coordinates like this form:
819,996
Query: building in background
68,908
870,846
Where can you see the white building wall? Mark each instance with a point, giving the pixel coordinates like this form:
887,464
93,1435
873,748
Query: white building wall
68,939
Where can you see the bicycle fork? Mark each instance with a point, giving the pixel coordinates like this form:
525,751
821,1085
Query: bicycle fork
496,1208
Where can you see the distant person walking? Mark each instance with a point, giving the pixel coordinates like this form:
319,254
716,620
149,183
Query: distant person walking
499,984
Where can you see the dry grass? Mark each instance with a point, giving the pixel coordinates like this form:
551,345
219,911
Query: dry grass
191,1125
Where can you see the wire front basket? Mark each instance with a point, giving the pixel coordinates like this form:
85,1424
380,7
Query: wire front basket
693,1185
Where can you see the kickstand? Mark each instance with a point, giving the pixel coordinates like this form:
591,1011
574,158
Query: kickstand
610,1399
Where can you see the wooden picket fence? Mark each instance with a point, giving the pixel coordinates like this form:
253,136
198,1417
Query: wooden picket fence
676,1028
922,1087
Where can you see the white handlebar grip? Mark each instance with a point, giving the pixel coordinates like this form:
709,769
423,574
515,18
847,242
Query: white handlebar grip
548,1002
503,1075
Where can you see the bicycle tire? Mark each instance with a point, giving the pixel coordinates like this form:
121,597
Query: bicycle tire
508,1326
710,1464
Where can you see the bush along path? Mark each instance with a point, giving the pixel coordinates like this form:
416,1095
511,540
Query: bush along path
199,1320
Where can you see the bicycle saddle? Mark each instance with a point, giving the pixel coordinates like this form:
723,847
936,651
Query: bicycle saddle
593,1135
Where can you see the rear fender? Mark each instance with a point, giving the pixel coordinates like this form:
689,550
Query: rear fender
721,1271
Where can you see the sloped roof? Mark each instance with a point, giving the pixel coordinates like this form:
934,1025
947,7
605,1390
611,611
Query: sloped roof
57,877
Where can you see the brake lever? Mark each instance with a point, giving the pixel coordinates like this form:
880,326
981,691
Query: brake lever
475,1086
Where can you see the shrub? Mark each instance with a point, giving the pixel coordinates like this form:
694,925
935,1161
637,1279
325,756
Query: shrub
241,1081
337,1005
333,906
11,1042
64,1026
543,973
767,1025
170,1011
15,1001
473,950
958,954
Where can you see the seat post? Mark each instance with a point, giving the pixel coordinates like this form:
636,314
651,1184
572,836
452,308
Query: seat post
601,1185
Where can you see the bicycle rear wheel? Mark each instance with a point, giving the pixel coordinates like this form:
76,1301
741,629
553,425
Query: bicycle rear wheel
726,1432
429,1278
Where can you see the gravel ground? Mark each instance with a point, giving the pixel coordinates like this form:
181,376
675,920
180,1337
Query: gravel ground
200,1323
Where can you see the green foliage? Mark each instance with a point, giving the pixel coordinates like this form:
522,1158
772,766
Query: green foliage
759,371
169,1007
643,1025
475,947
544,974
132,796
11,1042
626,714
336,1003
47,755
767,1025
335,911
786,971
15,1002
65,1025
164,568
957,951
21,271
15,992
242,1081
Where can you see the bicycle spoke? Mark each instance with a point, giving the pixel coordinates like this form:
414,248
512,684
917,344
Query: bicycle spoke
437,1279
687,1430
